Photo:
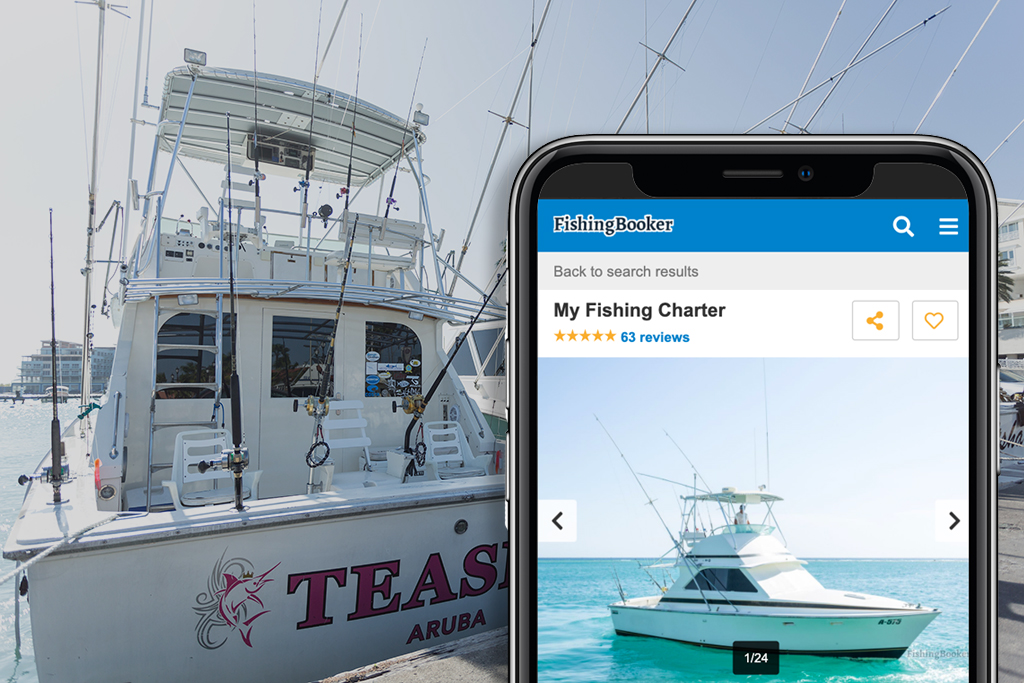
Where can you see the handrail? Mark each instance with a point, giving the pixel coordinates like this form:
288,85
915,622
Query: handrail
426,302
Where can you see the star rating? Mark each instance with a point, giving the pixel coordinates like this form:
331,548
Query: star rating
573,335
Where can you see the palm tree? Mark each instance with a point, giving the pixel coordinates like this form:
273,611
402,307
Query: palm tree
1004,283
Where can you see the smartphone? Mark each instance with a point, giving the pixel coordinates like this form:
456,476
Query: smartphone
753,410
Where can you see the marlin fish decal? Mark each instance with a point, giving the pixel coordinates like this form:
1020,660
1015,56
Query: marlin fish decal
229,602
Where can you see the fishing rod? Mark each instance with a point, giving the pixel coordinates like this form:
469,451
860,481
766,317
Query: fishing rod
416,405
345,191
304,184
256,130
650,501
317,406
408,118
235,459
56,473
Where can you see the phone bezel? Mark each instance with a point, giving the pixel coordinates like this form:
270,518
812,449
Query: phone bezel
781,152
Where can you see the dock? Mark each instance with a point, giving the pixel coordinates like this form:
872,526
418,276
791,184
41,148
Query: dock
1011,583
481,658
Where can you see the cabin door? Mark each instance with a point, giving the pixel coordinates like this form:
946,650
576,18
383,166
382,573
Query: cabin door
293,370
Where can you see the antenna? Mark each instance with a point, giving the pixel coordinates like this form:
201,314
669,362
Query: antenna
675,543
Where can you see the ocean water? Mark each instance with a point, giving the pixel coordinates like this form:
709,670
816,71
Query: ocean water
24,440
578,644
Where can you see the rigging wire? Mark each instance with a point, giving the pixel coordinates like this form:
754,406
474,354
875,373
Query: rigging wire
675,541
835,85
81,88
796,103
917,75
950,76
869,55
757,69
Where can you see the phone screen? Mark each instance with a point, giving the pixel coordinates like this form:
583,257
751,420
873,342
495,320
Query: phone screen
754,437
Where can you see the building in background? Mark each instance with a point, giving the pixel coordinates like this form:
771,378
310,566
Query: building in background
35,375
1010,245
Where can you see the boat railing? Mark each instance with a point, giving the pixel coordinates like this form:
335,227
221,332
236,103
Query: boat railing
430,303
758,529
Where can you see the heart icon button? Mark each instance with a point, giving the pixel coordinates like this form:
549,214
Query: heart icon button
933,319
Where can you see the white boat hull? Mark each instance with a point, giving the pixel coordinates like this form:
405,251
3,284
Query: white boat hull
812,631
291,600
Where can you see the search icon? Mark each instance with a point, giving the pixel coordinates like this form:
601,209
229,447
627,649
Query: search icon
905,229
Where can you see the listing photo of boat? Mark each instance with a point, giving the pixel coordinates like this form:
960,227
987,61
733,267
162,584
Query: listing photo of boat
744,508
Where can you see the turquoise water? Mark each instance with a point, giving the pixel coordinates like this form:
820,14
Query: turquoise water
24,440
577,643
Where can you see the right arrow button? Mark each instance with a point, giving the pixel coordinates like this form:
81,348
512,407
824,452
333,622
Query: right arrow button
952,520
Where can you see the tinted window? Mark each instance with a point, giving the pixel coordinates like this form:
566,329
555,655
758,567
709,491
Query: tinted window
721,579
394,360
485,340
187,365
299,352
463,362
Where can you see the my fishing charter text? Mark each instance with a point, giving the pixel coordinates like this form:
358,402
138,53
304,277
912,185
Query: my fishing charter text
612,226
667,309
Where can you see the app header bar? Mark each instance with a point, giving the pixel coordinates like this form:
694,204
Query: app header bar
753,225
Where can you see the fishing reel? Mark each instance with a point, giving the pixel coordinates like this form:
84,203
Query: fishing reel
257,177
325,212
233,459
302,186
341,193
314,408
413,404
392,202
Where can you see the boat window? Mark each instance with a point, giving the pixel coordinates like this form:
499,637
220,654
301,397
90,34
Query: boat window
187,363
463,362
721,579
299,349
394,360
485,341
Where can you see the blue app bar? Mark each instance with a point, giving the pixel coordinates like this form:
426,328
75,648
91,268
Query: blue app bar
753,225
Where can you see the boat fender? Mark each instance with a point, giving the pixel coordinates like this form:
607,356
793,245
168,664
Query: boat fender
1019,406
23,586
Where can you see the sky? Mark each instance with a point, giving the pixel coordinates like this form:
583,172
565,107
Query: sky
859,449
742,61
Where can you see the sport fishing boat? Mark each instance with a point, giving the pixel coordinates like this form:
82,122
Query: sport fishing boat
286,479
740,583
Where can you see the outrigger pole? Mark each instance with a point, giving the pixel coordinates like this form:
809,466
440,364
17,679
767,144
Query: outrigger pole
416,406
501,139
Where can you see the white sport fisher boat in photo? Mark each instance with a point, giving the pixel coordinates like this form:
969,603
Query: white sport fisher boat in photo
334,506
740,583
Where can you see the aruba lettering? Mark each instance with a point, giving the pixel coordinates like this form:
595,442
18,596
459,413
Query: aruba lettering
375,594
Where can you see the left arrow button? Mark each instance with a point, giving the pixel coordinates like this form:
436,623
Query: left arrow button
555,521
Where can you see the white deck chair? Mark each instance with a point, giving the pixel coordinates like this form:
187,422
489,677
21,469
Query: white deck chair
448,454
189,487
345,427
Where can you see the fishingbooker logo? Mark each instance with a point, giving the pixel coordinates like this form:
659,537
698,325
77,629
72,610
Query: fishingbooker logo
612,226
230,602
